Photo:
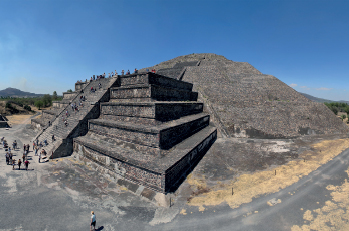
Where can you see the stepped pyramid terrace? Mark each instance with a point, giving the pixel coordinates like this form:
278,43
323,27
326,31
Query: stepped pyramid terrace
145,127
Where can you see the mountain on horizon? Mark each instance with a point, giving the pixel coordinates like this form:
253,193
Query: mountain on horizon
321,100
16,93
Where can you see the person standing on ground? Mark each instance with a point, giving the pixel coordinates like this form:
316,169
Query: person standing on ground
33,145
39,157
26,163
7,158
93,220
23,157
19,164
13,164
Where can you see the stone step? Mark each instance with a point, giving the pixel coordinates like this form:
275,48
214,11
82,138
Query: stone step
159,174
147,92
59,129
152,78
163,136
149,113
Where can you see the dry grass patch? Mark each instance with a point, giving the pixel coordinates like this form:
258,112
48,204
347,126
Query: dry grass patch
19,119
249,186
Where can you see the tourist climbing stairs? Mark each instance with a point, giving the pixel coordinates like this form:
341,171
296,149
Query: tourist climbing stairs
70,120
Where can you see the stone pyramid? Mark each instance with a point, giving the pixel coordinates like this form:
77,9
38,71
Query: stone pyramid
243,102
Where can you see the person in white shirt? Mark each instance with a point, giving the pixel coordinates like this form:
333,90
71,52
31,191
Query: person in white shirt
93,220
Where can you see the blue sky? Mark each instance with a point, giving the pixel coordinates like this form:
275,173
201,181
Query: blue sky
46,46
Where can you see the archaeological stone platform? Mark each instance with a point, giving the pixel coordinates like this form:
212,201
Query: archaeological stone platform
151,132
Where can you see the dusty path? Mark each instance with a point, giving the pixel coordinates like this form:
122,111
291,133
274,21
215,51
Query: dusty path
60,194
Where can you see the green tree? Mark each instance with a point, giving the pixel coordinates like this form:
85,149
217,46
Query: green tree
54,95
70,90
47,100
343,117
39,104
334,109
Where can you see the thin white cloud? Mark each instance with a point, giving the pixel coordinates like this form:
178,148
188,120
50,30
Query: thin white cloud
324,89
305,87
293,85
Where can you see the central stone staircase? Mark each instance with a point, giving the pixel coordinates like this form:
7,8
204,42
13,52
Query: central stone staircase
76,121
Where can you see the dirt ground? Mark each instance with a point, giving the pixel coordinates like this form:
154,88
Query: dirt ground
250,168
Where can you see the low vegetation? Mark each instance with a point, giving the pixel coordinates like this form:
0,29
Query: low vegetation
12,104
338,107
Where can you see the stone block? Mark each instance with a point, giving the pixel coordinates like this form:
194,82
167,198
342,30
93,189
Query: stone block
163,136
147,92
160,111
152,78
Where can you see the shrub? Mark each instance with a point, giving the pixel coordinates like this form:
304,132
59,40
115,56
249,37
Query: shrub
343,117
27,107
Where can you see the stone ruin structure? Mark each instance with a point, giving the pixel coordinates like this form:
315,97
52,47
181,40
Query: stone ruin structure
146,128
3,122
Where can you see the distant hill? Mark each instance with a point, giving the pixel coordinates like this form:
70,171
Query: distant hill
315,99
13,92
320,100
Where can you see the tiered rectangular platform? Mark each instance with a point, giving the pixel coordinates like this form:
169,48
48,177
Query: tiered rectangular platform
152,132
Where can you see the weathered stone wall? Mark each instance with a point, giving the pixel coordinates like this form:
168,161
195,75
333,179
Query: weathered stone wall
69,95
152,78
162,112
152,93
178,171
137,174
79,86
3,122
163,137
158,181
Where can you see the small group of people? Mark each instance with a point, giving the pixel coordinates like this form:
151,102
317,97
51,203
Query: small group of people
74,107
152,70
93,89
9,156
